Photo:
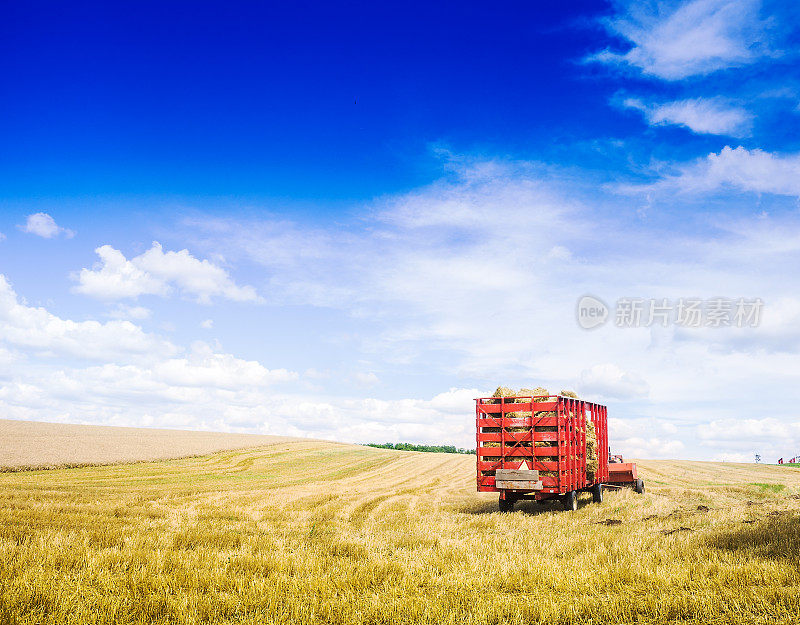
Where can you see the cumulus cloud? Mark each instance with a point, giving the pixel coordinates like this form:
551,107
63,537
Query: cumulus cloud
738,169
676,40
741,438
748,431
43,225
213,391
652,447
457,278
141,379
609,381
37,330
207,324
206,368
700,115
156,272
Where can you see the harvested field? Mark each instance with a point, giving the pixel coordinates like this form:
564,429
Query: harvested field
309,531
31,444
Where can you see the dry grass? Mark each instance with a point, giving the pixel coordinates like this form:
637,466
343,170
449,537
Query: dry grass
31,444
318,532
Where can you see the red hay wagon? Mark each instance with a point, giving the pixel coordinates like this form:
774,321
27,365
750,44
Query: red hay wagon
535,448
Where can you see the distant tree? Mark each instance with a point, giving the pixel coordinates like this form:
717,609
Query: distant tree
758,458
437,449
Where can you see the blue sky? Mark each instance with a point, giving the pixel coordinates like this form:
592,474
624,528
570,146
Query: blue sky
346,221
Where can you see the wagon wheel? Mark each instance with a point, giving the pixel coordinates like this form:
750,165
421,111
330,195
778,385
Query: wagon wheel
570,501
597,493
506,505
639,486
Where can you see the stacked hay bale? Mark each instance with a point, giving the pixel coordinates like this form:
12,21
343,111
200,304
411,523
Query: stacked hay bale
523,397
591,443
591,451
539,393
502,391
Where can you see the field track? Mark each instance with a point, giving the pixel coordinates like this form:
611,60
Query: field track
310,531
32,444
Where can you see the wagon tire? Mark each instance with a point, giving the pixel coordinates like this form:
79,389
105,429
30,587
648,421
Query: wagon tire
597,493
570,501
639,486
506,505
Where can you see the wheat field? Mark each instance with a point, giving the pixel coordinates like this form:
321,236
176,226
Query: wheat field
308,531
39,445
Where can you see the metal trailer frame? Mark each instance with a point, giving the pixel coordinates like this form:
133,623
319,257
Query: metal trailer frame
568,445
622,474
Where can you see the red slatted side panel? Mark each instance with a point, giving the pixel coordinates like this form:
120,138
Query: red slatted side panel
603,450
478,444
569,455
517,446
582,412
561,477
568,442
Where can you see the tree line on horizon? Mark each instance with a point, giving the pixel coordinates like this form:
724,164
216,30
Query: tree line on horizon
437,449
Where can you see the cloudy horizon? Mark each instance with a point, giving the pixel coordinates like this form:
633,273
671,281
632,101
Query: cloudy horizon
375,304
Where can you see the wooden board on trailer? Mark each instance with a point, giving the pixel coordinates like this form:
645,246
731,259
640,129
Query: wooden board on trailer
519,484
516,474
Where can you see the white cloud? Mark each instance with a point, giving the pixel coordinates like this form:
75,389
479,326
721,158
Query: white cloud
700,115
316,374
40,331
141,379
156,272
366,379
750,431
735,457
206,368
609,381
43,225
736,168
459,280
209,390
207,324
122,311
742,438
675,40
653,447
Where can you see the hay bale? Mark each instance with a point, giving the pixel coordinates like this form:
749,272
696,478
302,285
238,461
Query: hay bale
591,433
537,392
591,451
502,391
534,392
592,462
